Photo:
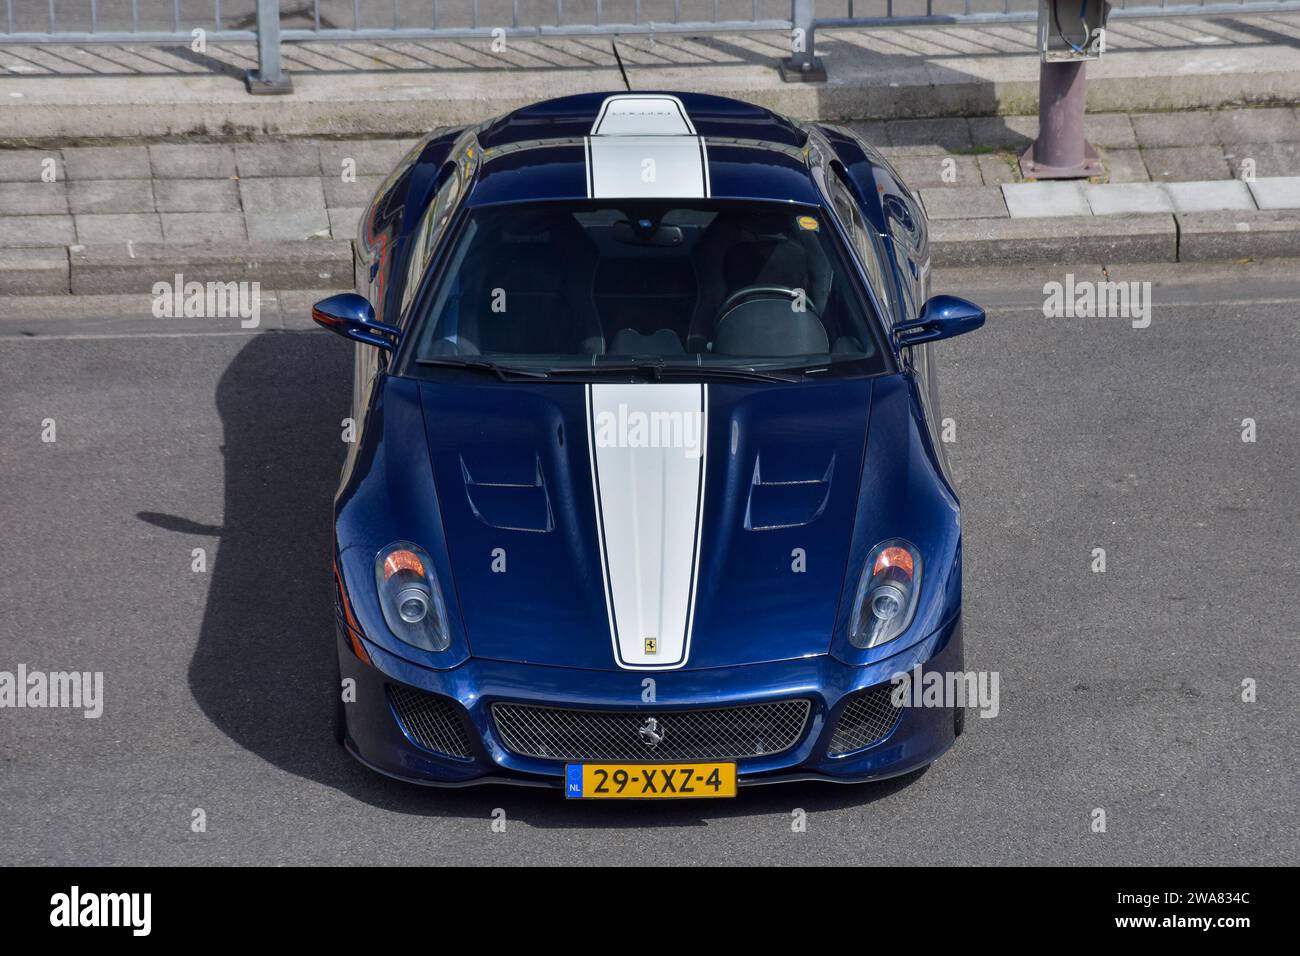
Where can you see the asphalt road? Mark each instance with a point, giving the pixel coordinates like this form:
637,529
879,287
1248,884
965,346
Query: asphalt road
1119,690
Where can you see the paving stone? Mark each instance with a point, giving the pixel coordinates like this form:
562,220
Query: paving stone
1266,159
1003,132
938,170
1065,242
1120,199
1124,166
28,165
300,158
284,208
925,136
345,223
875,132
113,268
371,156
33,199
107,162
1186,163
975,202
1221,236
1036,200
37,271
269,195
119,227
342,195
998,168
1209,196
288,224
1109,130
1276,192
28,231
1185,128
191,227
196,195
192,161
110,196
1273,125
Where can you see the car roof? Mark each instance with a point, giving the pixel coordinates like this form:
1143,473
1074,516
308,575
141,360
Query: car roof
593,146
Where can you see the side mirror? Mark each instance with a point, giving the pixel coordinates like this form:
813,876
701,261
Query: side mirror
351,316
941,318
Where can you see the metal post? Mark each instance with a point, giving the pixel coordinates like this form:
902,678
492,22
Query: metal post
1060,151
803,65
268,77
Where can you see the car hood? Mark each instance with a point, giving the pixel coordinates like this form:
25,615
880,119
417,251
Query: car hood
648,526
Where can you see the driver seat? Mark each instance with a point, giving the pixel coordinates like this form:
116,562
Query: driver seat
755,261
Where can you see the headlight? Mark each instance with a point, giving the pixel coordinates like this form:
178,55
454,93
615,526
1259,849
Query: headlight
410,596
887,594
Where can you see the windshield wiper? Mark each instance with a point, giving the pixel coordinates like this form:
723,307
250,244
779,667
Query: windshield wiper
615,368
732,372
656,369
659,370
504,372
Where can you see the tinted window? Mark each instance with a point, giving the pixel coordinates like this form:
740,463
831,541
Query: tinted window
591,282
864,239
424,241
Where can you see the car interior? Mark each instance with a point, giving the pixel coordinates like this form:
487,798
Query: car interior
715,284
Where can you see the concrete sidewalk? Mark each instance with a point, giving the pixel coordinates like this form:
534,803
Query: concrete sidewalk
398,88
113,219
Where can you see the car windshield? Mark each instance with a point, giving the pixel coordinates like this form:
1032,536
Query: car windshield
676,287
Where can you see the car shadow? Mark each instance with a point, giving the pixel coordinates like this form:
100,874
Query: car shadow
262,670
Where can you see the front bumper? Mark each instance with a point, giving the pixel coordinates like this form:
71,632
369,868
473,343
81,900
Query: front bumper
376,737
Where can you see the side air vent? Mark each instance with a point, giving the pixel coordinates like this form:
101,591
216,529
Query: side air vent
868,717
431,721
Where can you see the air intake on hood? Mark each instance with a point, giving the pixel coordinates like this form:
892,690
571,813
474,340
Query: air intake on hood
787,502
512,502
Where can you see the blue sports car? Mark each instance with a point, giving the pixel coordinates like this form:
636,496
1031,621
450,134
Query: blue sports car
647,496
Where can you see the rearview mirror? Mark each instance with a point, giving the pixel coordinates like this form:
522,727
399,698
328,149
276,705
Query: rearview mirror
351,316
642,234
941,318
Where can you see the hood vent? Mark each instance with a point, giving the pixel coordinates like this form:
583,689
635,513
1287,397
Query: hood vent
512,499
787,498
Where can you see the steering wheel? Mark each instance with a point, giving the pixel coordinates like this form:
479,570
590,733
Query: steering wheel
750,291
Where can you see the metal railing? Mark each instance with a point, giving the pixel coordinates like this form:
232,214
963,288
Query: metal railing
1020,11
267,24
39,21
1012,11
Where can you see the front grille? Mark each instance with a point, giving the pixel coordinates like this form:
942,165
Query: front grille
868,716
433,722
722,733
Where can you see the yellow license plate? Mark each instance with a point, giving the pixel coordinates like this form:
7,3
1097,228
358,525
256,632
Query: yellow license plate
642,781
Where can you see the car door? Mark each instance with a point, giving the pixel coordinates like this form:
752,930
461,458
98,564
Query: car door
910,248
389,267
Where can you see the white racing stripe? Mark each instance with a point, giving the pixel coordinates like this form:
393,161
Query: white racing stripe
631,114
648,462
644,146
